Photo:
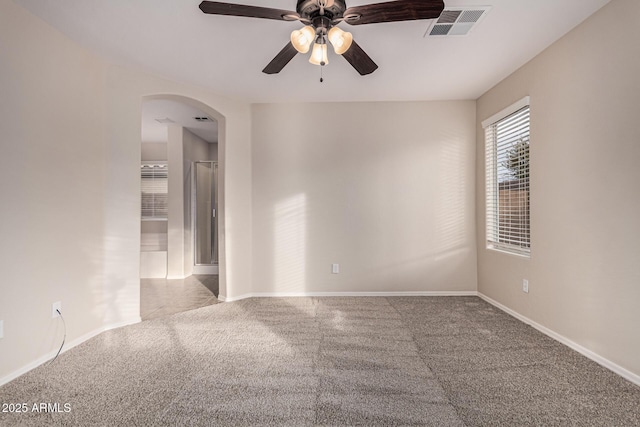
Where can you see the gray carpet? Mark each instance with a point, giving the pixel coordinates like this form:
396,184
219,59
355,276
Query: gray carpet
443,361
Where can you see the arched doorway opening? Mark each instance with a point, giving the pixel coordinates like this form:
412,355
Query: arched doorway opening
182,204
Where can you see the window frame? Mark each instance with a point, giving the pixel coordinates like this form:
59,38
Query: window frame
492,191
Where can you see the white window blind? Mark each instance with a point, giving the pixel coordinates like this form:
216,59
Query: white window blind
507,181
155,189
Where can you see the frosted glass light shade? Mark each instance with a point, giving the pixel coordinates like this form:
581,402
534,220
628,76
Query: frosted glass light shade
341,40
319,54
302,39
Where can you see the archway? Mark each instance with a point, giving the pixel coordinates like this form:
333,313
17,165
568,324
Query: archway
188,252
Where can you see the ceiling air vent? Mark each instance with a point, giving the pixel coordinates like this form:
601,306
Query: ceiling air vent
202,119
457,21
165,120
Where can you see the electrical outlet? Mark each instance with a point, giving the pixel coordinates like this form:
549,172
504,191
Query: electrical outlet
54,309
335,268
1,329
525,286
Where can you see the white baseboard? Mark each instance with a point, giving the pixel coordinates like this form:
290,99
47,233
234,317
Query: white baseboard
349,294
67,346
117,325
634,378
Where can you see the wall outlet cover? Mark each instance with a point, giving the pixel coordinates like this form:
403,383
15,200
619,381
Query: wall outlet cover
1,329
525,285
335,268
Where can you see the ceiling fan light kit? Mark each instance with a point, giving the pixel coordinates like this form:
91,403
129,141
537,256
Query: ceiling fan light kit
341,40
302,39
321,18
319,54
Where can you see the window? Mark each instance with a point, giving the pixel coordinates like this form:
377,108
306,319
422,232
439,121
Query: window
507,179
155,189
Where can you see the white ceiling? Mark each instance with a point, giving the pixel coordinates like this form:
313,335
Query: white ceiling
179,113
226,54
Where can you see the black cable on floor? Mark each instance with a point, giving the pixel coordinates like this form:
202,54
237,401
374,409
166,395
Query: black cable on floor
63,339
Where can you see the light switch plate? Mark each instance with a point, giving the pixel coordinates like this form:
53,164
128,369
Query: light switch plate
335,268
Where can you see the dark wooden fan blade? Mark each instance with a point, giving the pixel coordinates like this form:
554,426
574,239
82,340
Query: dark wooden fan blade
281,59
217,8
359,59
392,11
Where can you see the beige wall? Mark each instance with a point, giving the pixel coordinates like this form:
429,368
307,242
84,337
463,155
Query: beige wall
154,151
176,204
70,183
384,189
584,280
52,139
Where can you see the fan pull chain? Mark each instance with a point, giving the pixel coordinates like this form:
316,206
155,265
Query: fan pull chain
324,42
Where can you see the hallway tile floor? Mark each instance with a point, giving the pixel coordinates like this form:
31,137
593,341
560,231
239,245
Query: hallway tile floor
162,297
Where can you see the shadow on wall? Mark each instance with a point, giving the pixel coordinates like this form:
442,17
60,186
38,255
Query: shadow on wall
397,230
116,298
426,233
290,243
387,191
450,206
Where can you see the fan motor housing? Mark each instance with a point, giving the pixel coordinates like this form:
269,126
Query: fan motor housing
309,9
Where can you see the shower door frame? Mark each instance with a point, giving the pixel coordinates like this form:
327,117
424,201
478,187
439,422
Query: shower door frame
204,268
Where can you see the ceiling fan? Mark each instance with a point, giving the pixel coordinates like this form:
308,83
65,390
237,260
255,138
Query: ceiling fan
321,18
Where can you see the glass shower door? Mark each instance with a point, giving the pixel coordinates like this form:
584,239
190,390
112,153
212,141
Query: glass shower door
206,215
